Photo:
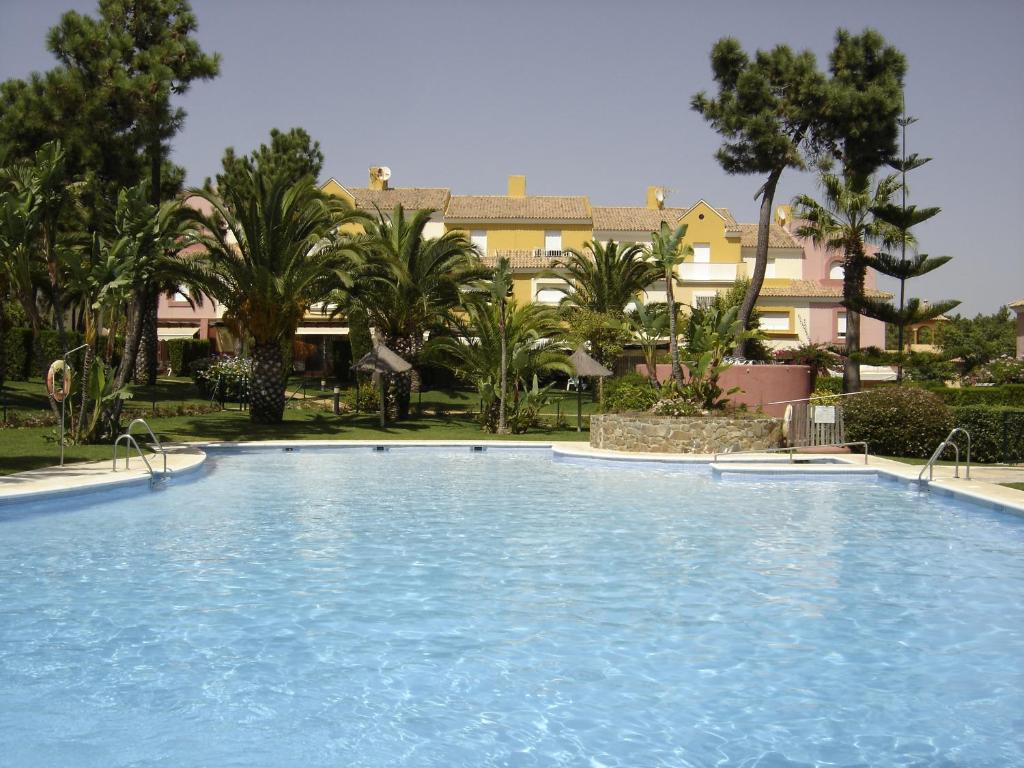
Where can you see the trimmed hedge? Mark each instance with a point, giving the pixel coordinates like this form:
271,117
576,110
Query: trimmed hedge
47,349
897,421
183,352
1003,394
997,432
18,344
631,392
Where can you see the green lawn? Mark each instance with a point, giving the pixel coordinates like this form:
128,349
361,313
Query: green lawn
1015,486
32,447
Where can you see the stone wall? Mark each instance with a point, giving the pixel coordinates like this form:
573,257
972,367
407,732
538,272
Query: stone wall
689,434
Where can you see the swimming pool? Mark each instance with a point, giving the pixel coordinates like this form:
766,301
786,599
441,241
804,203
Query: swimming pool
423,607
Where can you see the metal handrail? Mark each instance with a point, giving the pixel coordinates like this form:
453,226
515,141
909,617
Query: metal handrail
155,442
929,467
793,448
129,439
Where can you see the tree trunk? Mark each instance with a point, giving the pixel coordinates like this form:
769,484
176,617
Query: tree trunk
146,361
761,258
400,384
267,390
854,271
83,403
502,407
673,337
132,335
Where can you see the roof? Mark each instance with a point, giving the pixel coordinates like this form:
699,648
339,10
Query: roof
535,207
585,365
634,218
411,198
381,360
777,237
1019,304
813,290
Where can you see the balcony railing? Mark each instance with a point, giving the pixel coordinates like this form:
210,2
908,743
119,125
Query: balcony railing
537,253
709,273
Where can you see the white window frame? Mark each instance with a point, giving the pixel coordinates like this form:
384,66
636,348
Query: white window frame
703,298
832,270
775,321
553,242
840,325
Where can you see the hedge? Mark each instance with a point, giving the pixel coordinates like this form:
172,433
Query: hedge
897,421
47,349
18,344
1002,394
631,392
997,432
182,353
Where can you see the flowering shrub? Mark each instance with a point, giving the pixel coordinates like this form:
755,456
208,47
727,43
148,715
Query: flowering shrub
676,406
225,378
1002,370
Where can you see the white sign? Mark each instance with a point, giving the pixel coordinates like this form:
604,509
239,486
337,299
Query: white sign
824,414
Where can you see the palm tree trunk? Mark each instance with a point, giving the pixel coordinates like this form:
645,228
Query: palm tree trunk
133,333
400,384
146,361
83,403
267,396
764,223
502,408
673,337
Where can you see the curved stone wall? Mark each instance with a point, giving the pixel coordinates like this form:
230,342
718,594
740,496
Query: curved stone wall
689,434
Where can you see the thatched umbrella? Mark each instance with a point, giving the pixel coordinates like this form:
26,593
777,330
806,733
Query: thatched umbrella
380,361
584,365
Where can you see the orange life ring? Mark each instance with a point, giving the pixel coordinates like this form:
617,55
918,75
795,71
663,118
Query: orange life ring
65,386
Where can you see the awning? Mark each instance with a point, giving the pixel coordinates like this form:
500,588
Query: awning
176,333
877,373
322,330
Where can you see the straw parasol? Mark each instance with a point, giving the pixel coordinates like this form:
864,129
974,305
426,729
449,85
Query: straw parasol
380,361
584,365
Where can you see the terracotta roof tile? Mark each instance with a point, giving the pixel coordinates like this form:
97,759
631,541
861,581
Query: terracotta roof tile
1017,304
634,219
777,237
534,207
410,198
811,289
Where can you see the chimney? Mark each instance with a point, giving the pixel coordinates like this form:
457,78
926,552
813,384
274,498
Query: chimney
379,175
655,198
784,216
517,186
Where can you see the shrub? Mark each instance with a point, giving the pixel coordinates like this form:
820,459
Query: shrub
47,349
928,366
18,344
676,406
1008,394
897,421
997,432
832,385
183,352
1003,370
369,398
226,378
631,392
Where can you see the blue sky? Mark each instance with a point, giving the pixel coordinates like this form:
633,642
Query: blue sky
593,98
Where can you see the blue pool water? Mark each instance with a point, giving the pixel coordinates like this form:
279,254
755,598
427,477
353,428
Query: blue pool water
440,608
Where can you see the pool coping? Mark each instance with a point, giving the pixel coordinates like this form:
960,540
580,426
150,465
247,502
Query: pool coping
184,458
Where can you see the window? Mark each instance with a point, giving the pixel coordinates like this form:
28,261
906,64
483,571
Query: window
548,294
479,239
774,321
769,269
841,325
180,296
553,242
703,300
836,272
701,253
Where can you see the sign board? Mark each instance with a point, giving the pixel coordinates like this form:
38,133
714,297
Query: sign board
824,414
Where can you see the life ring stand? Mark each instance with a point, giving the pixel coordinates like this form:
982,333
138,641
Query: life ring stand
58,395
787,421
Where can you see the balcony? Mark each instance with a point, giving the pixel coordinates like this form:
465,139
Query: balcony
709,273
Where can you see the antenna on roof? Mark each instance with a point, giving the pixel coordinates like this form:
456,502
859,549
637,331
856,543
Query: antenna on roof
384,173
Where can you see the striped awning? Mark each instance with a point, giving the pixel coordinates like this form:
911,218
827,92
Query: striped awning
176,332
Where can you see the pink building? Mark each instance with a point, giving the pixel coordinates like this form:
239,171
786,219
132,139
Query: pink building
1018,307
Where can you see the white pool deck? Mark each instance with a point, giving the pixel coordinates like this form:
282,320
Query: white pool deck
983,487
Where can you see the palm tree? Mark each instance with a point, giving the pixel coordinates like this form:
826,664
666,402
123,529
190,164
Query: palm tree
418,284
500,346
272,248
667,251
844,223
649,324
605,278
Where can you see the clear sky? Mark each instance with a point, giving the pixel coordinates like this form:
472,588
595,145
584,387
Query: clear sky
593,98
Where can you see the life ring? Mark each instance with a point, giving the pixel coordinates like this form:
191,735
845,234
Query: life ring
59,366
787,421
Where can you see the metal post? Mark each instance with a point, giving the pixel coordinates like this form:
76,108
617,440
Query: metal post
579,406
337,400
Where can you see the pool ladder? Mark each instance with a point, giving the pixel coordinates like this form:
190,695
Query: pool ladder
129,439
942,447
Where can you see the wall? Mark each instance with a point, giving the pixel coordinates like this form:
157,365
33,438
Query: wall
760,384
525,236
642,432
1020,331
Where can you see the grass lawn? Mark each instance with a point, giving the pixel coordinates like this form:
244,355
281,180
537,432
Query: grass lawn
1015,486
27,448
